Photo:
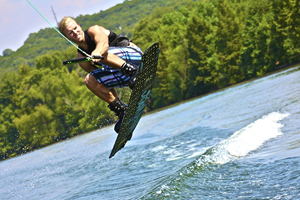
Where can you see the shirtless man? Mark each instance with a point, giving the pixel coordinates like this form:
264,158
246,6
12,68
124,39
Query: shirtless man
120,63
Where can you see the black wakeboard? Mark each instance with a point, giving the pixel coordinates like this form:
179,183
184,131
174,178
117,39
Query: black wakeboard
139,97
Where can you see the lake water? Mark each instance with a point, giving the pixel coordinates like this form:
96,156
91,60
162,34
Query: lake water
239,143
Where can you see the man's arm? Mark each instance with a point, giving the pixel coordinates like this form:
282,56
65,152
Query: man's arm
86,66
100,37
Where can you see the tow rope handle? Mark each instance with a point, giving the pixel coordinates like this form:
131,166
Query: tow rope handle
82,59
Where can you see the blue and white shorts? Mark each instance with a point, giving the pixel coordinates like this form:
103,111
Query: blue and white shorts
111,77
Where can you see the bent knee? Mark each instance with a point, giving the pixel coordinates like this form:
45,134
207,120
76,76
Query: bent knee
90,80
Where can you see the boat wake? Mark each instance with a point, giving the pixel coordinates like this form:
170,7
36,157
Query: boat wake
248,139
240,144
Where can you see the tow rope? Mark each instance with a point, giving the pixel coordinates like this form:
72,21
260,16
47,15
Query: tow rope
58,30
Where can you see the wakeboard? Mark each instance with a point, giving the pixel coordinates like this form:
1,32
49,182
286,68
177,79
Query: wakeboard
140,95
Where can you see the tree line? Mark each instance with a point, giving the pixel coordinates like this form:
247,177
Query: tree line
210,44
46,104
205,45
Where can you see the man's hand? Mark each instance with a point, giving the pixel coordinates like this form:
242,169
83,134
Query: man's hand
96,58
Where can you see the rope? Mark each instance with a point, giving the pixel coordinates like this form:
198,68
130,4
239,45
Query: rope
58,30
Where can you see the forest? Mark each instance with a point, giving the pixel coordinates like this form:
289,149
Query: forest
205,45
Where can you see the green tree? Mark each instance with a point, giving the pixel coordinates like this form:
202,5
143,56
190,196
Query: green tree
286,19
259,50
8,131
7,52
200,37
228,44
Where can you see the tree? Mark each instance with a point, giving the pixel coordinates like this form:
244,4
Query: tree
286,19
7,52
200,39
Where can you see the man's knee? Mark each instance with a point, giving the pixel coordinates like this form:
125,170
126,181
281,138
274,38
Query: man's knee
90,80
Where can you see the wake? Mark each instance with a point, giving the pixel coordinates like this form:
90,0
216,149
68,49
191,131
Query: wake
240,144
246,140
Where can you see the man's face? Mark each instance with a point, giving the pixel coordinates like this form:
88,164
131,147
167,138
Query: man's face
74,32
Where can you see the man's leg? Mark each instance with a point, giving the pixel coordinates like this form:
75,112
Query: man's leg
100,90
116,62
108,95
112,60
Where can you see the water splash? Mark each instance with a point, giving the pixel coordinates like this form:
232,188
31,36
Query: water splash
240,144
249,138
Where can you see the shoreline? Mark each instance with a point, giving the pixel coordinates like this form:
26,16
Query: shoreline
277,70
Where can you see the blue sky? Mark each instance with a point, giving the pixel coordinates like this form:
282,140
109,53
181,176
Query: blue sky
18,19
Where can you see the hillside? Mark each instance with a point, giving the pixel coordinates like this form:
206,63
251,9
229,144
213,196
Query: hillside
121,19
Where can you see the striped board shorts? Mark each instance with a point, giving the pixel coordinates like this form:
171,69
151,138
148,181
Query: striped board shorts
111,77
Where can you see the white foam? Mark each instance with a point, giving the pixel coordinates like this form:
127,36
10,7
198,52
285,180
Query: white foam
158,148
249,138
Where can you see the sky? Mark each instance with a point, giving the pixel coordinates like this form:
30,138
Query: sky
18,18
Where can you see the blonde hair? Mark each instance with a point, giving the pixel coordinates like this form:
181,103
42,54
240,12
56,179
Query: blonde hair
64,23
